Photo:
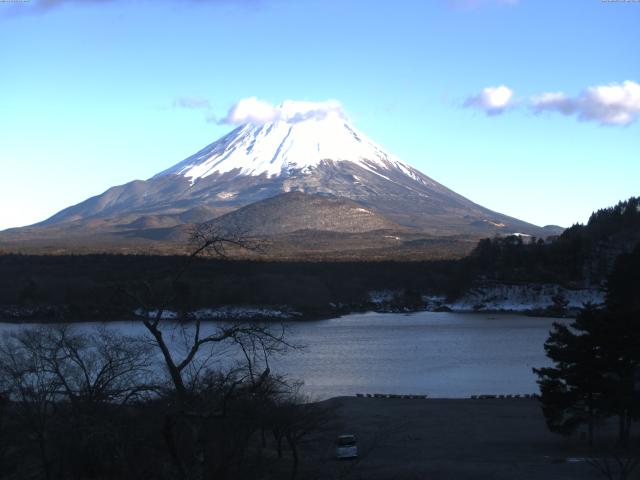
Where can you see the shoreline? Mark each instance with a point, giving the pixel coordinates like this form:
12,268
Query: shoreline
45,314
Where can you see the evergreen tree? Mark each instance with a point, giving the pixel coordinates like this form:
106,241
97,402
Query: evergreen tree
623,285
621,352
623,305
572,391
596,370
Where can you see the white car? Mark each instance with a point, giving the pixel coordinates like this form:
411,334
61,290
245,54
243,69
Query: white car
346,447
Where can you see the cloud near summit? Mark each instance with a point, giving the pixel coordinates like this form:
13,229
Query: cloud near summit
258,112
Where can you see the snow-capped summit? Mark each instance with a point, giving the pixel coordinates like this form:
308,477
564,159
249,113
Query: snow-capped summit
298,141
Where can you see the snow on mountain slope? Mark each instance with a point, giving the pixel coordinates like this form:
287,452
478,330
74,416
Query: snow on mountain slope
287,144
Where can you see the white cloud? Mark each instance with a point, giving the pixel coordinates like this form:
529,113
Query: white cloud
613,104
250,110
491,100
255,111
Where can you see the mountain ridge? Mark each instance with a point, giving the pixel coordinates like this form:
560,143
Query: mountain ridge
315,156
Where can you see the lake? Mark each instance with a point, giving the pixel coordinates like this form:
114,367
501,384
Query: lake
437,354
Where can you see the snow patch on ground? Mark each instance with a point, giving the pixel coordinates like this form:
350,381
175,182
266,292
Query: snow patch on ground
363,210
433,302
541,299
225,313
521,298
380,297
244,313
226,195
165,315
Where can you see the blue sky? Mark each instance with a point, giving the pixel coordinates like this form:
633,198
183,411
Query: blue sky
94,93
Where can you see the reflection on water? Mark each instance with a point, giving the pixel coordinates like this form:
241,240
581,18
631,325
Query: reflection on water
439,354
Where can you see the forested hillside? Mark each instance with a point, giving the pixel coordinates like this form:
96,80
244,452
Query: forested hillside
583,254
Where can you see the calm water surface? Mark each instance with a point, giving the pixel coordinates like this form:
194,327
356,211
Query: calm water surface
439,354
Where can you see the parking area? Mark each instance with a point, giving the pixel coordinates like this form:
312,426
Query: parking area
401,438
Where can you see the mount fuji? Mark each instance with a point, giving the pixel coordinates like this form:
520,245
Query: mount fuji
305,170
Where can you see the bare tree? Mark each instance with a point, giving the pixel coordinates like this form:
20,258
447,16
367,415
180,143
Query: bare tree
616,464
59,380
296,421
32,388
254,340
101,366
200,405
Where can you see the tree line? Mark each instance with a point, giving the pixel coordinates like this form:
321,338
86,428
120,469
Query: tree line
582,254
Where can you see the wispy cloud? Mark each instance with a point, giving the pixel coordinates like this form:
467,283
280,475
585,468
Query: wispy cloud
255,111
192,102
613,104
35,7
44,5
491,100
